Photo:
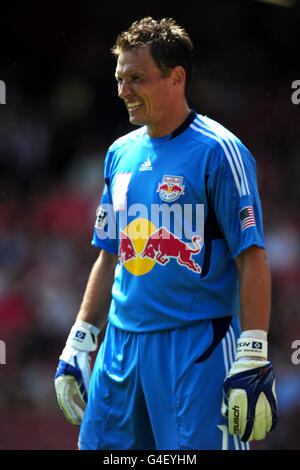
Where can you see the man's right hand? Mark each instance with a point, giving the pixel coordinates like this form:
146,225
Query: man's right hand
72,378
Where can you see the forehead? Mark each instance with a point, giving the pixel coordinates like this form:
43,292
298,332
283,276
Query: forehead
139,60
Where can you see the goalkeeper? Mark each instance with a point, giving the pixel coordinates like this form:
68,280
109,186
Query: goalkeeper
175,370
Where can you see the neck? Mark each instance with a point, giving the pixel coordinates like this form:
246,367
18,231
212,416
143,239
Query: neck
168,125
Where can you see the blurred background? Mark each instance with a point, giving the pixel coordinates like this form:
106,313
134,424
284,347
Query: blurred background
61,114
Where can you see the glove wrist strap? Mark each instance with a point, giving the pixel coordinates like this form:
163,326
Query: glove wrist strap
252,347
83,336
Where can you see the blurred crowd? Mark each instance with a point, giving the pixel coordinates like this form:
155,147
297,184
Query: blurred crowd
52,149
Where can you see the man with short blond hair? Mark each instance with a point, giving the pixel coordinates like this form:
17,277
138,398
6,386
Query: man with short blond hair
181,242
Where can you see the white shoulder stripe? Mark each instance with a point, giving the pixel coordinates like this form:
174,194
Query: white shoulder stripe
236,179
242,165
238,154
232,154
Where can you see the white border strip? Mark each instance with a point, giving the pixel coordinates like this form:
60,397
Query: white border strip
232,153
229,353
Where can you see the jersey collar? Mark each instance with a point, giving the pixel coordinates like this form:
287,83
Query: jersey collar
184,125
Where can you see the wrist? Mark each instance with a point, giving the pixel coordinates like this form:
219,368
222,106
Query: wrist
88,326
255,334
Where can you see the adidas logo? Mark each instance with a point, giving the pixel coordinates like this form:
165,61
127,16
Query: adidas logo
146,166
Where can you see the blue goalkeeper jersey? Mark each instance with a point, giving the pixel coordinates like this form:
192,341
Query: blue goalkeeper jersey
177,210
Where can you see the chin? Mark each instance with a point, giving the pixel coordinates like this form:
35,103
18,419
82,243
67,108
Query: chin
135,121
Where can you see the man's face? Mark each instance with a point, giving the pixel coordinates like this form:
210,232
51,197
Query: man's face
144,89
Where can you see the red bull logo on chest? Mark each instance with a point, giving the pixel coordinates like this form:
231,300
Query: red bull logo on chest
171,188
142,245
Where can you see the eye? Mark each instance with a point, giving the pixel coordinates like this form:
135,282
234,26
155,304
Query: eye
135,78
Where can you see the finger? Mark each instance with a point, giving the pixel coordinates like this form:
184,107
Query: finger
237,411
263,418
69,399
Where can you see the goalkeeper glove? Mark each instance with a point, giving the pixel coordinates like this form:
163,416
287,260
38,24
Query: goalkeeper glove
249,400
72,378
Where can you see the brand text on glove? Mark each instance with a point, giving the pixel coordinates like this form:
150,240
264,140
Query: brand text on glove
236,419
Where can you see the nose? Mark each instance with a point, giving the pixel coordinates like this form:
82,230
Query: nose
124,89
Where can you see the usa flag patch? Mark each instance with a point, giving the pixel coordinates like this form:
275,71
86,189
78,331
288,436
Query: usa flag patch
247,217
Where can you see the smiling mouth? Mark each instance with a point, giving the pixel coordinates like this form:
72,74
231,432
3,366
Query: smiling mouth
133,106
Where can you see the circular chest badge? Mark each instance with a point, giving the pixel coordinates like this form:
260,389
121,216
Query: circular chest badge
171,188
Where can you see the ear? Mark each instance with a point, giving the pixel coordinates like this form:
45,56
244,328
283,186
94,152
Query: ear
178,76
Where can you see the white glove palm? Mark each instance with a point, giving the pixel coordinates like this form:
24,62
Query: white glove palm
249,392
72,379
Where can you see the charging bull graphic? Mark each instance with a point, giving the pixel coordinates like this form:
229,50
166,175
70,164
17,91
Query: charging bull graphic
163,245
142,245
